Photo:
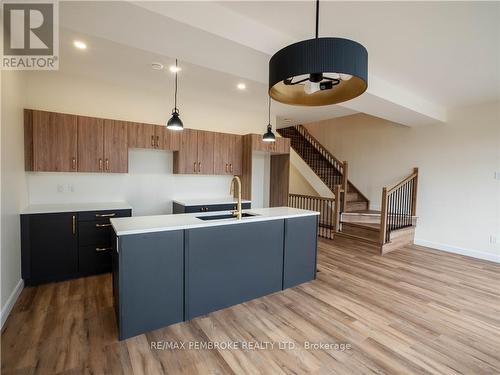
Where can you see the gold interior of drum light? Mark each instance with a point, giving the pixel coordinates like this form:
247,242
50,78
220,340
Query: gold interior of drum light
295,94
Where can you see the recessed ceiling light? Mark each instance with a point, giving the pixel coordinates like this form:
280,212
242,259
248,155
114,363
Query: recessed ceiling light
79,44
241,86
157,66
174,69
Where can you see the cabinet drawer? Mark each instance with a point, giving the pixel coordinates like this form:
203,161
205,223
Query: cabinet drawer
94,259
105,214
95,233
215,207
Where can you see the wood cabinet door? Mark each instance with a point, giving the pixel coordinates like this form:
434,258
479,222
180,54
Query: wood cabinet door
115,146
141,135
186,159
206,143
236,160
90,144
54,142
167,139
222,153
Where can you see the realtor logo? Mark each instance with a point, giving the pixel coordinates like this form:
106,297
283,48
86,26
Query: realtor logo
30,36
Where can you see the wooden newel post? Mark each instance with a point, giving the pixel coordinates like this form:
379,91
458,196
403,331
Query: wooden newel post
414,194
336,212
383,216
345,183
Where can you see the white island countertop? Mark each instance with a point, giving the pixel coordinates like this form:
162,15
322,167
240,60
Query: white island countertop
74,207
160,223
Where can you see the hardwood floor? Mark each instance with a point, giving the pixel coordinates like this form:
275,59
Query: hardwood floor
414,311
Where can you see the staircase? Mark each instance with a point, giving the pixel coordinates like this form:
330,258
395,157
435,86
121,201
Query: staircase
348,214
328,168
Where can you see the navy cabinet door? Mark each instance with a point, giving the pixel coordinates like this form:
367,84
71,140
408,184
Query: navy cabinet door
54,246
230,264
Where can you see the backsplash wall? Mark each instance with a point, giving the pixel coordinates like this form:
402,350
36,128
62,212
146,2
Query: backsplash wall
149,187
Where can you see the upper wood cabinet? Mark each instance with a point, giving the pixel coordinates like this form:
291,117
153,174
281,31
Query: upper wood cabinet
153,137
196,153
115,146
228,154
90,144
50,141
280,146
102,145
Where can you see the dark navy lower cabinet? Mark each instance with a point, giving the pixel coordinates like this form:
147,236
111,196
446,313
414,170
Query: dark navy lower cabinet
58,246
148,281
300,249
230,264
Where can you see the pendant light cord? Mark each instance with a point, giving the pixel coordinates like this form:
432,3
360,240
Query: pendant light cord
317,18
269,112
175,95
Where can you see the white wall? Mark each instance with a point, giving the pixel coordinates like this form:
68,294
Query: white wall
458,198
14,191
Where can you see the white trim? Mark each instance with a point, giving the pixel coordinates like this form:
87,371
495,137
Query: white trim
11,301
459,250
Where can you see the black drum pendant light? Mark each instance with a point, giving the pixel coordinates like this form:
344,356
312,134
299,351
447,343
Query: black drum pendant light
175,122
269,135
318,71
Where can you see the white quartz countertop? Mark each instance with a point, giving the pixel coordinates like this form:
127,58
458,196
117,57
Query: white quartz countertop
74,207
160,223
208,201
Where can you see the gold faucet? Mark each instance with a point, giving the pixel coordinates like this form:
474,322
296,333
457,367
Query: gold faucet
237,212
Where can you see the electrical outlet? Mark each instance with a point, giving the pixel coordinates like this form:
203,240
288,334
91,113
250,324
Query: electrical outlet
60,188
496,175
71,188
493,239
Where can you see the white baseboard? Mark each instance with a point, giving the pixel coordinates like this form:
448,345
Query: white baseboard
458,250
12,300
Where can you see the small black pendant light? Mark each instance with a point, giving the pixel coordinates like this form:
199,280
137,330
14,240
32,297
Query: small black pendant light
175,122
318,71
269,135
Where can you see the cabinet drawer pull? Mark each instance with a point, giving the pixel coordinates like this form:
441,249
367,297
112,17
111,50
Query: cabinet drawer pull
199,166
107,164
73,163
74,224
105,215
157,141
194,167
103,249
100,164
152,141
102,225
231,167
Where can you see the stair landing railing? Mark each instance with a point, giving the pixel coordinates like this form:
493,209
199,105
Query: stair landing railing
325,207
399,206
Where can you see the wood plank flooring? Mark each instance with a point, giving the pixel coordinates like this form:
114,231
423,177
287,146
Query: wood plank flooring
414,311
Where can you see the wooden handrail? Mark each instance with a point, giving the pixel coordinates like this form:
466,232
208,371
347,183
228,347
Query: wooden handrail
405,180
303,128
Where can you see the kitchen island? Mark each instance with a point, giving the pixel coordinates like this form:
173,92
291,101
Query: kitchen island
171,268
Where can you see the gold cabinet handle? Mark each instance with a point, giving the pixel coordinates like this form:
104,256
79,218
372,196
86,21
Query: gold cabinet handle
73,163
194,167
152,141
105,215
231,167
107,164
157,141
74,224
100,164
226,167
102,225
98,249
199,166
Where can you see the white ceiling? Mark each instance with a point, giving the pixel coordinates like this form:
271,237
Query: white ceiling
424,58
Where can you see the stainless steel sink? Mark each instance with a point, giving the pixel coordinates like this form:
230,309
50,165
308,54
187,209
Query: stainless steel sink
224,216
